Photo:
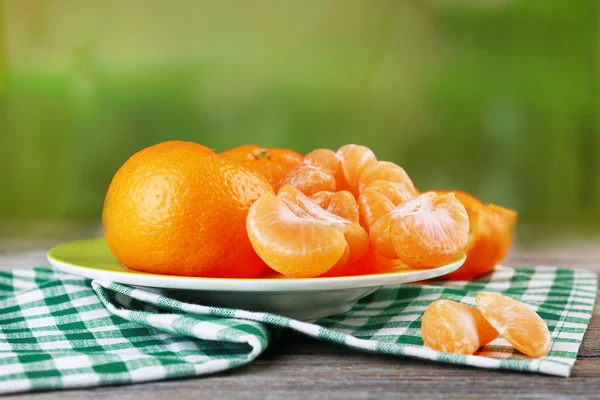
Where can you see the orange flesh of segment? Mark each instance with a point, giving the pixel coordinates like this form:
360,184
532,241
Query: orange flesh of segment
452,327
309,180
291,241
322,198
325,159
379,198
373,205
517,323
343,204
356,237
427,231
397,192
353,160
386,171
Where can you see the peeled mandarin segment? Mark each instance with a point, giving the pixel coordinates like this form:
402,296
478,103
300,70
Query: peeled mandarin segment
343,204
380,236
372,205
430,233
322,198
292,242
427,231
397,192
340,268
487,333
386,171
325,159
453,327
356,237
309,180
353,160
471,203
379,198
517,323
289,192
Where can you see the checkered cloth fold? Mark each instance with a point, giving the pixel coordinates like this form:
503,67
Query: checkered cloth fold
60,331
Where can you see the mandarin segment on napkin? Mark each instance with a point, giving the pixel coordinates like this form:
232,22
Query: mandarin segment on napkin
453,327
178,208
517,323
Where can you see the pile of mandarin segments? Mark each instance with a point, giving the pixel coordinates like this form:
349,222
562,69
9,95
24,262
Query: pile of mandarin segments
180,208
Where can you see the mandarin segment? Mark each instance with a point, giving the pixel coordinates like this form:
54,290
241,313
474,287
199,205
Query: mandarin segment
452,327
427,231
517,323
379,198
178,208
309,180
357,238
281,232
342,204
397,192
291,241
325,159
353,160
373,205
389,172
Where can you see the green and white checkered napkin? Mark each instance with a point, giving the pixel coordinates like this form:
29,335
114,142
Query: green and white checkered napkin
60,331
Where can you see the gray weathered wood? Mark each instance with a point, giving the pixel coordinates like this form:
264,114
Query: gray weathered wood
297,367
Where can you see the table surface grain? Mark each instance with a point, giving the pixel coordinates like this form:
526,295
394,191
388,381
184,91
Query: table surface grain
297,367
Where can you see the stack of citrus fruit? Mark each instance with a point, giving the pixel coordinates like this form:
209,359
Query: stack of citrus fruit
180,208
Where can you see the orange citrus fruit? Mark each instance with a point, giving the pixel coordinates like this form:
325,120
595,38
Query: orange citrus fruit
491,230
517,323
179,208
274,164
297,238
453,327
427,231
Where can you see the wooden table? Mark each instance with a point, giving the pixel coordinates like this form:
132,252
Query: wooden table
298,367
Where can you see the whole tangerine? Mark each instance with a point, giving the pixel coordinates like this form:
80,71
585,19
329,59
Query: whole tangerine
178,208
273,163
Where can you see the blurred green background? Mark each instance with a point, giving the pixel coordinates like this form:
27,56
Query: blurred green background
498,98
